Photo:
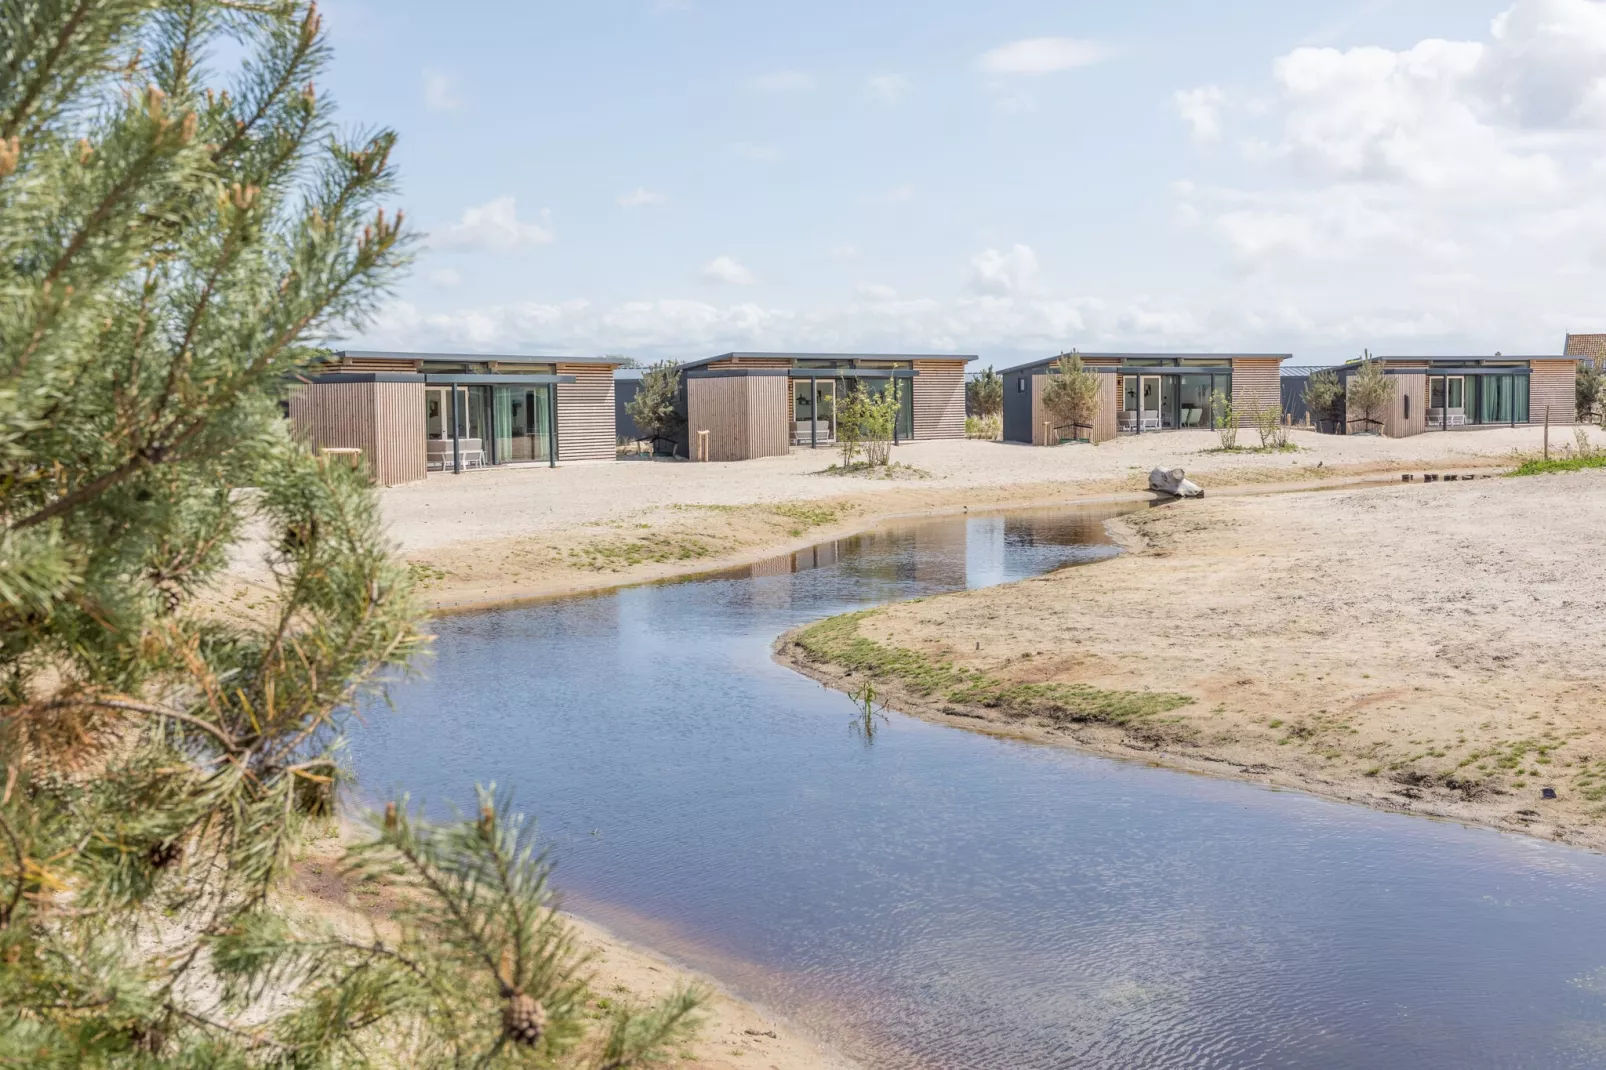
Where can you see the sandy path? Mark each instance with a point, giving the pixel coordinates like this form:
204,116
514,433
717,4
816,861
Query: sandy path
1432,649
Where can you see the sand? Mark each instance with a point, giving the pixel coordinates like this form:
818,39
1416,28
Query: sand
1432,649
733,1035
499,535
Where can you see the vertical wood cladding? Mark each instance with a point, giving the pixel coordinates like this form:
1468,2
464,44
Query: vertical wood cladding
939,399
1553,383
745,416
585,414
1104,424
1410,394
383,420
1256,385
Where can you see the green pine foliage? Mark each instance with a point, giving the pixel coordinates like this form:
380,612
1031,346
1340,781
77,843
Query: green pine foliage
177,238
985,393
655,406
1072,396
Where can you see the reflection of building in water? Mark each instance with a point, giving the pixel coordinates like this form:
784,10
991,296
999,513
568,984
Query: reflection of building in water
937,552
1056,529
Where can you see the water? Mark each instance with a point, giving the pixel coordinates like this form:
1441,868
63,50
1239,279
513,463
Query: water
944,899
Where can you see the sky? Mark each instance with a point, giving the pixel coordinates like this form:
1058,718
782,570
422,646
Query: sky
1011,178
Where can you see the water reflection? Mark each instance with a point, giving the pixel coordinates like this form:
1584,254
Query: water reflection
942,899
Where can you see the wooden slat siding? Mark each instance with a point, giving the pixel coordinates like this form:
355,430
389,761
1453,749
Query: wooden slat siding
335,415
752,362
1553,383
745,416
399,429
585,414
378,364
769,412
1395,423
1104,424
939,399
1256,384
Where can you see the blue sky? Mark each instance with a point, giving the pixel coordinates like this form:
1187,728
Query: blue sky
684,177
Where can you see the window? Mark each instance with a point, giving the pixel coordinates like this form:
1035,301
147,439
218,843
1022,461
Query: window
1407,406
1020,384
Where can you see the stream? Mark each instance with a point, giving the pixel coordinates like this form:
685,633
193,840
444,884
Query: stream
936,898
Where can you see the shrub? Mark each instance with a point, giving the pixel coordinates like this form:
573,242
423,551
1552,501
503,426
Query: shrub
1370,391
653,407
867,421
1269,425
1072,393
1589,389
1226,419
988,427
1323,395
984,395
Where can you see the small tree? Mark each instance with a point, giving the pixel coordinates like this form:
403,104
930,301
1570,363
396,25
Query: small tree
1323,395
868,420
1589,388
1072,393
1371,391
181,226
653,407
1269,425
1226,419
985,394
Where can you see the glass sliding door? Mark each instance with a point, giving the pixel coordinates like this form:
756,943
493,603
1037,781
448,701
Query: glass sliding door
1503,399
813,418
906,402
1149,394
1193,401
523,424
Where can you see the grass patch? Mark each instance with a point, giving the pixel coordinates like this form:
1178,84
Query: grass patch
1537,466
805,515
615,555
837,641
1287,447
892,470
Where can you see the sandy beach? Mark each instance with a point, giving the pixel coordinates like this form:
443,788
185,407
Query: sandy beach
1431,649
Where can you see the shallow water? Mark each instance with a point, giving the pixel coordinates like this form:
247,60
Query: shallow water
939,898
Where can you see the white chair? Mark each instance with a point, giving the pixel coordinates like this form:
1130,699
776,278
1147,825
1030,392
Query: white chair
437,453
472,452
1126,420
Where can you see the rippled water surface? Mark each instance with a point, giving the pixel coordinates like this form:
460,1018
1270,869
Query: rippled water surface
944,899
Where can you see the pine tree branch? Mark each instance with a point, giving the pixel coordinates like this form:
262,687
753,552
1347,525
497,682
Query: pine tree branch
44,71
310,28
124,705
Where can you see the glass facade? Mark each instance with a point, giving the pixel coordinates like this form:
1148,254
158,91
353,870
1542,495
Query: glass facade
1502,399
829,389
494,424
1169,400
523,424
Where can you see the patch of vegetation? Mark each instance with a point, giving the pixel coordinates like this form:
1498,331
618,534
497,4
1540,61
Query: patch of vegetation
805,515
1536,466
838,641
422,574
890,470
615,555
1286,447
990,428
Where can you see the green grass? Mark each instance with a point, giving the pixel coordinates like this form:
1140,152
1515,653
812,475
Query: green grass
891,470
837,641
1536,466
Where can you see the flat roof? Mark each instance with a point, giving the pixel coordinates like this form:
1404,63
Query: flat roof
1478,359
520,358
1149,356
832,356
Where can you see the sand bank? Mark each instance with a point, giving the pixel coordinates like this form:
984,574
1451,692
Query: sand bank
1428,649
501,535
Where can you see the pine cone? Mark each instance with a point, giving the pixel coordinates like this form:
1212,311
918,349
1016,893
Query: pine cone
523,1019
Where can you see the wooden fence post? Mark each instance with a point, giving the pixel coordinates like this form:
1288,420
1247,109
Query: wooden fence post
1547,432
702,445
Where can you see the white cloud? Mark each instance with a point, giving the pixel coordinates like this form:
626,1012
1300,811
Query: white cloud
1041,55
492,225
728,270
440,91
762,153
783,82
640,197
1003,274
888,88
1201,110
876,291
445,277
